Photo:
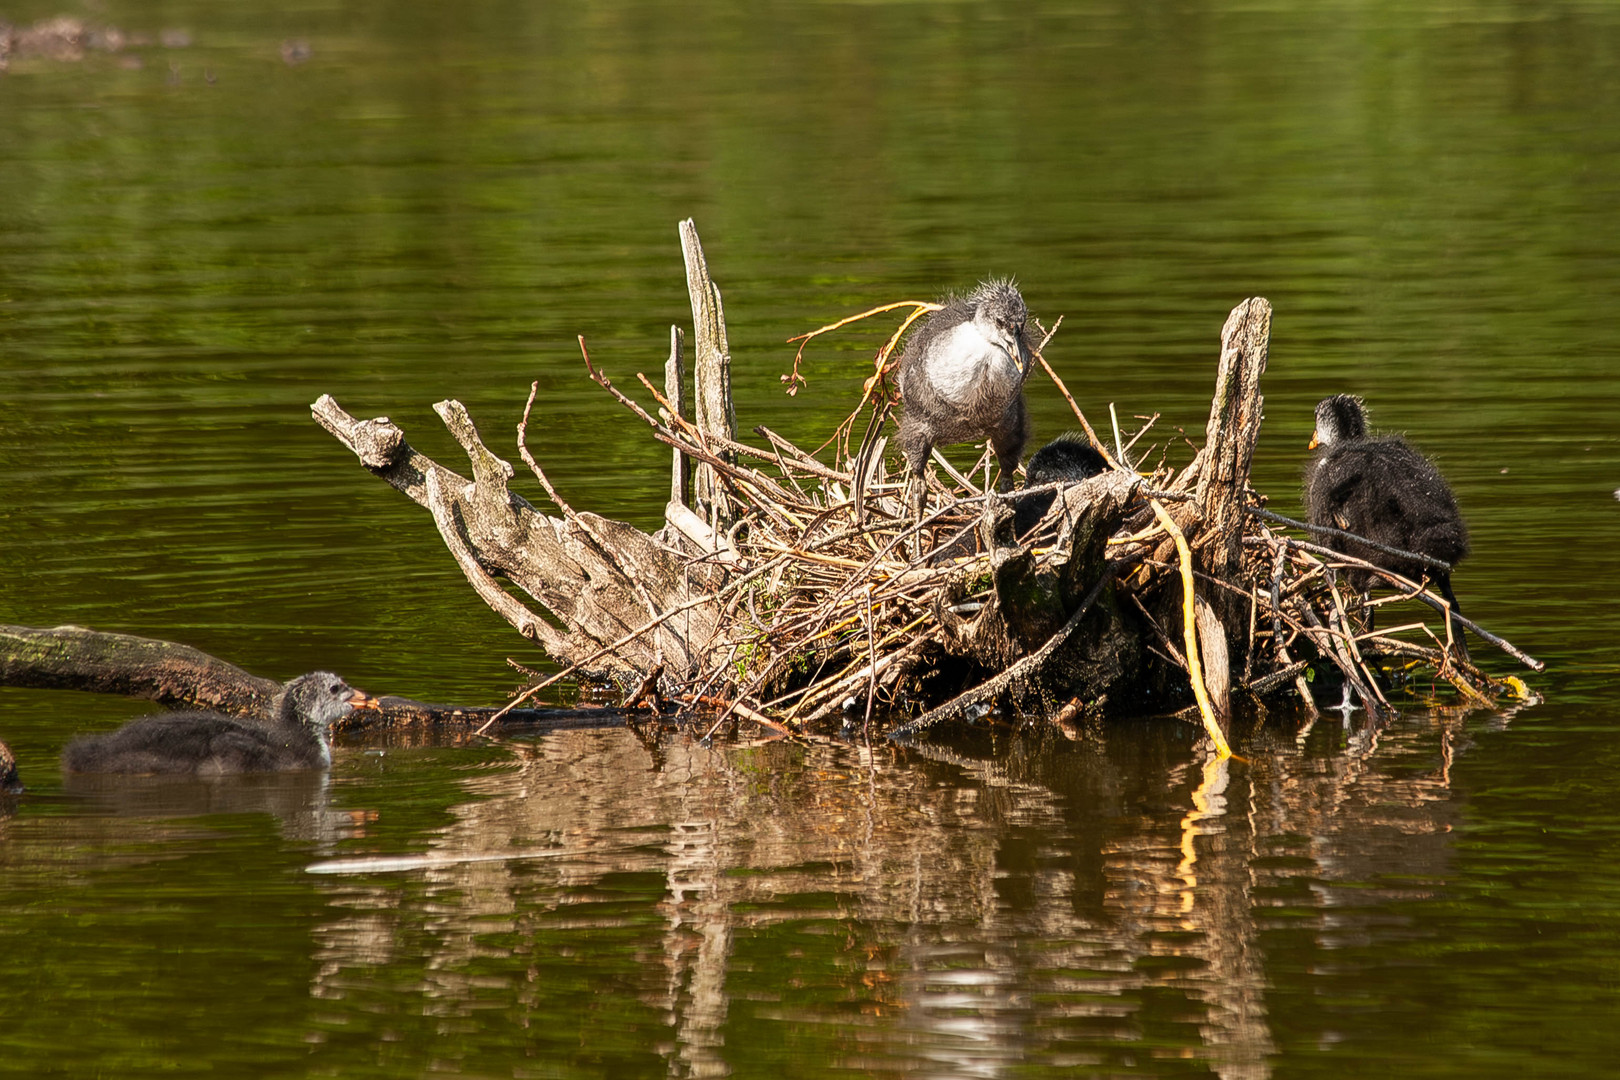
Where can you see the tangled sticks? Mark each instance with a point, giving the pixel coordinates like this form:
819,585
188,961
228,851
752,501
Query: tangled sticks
791,591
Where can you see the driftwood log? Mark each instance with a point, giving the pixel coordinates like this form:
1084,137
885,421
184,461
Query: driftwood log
180,677
792,589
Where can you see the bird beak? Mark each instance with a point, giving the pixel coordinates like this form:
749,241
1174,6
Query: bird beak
1024,357
361,700
1313,443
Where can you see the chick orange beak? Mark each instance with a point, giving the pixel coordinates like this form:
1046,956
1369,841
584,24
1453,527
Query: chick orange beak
361,700
1313,443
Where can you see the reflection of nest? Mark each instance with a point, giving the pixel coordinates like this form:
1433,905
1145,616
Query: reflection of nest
65,39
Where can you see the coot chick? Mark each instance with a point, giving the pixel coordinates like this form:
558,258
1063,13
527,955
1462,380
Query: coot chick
211,743
1070,458
1384,490
962,379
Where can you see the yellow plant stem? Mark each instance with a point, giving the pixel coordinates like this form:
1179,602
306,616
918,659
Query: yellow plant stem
1189,619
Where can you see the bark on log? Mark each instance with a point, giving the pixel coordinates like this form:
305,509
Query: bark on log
180,677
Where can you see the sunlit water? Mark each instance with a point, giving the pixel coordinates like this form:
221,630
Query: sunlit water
442,197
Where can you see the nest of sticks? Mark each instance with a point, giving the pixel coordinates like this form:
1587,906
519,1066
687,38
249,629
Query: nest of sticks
833,605
789,591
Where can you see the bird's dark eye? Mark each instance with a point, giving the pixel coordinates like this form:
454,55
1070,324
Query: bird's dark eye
337,688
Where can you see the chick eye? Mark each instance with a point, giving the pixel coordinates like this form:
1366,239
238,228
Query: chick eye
337,688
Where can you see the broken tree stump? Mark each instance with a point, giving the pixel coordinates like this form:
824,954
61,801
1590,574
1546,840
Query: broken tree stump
711,373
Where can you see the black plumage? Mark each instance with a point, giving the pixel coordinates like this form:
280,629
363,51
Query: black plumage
211,743
1380,488
1070,458
962,379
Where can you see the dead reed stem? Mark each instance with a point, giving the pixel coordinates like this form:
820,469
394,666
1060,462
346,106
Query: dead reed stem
1195,669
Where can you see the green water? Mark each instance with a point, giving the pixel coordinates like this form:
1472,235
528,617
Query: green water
443,196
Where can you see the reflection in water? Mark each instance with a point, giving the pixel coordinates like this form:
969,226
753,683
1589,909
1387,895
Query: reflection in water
950,912
299,801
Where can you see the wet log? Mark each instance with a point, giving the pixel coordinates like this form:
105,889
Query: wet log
180,677
175,676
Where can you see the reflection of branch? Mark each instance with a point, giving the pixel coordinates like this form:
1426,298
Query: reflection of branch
1207,804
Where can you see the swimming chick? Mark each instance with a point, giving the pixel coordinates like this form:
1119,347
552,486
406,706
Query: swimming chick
211,743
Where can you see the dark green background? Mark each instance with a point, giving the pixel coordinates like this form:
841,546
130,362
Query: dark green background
443,196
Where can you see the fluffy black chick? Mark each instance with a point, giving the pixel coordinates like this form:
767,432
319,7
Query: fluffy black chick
205,743
1069,458
1382,489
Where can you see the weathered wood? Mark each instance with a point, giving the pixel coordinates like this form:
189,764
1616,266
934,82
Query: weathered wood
1235,414
181,677
698,532
711,374
598,578
176,676
675,393
488,589
381,447
1217,666
791,595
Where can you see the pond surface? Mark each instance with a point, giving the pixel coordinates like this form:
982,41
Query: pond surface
198,239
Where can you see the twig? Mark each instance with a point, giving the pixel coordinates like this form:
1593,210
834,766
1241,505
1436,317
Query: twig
534,466
1267,683
1158,632
1139,433
1084,423
614,646
802,459
1418,593
922,307
1426,560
